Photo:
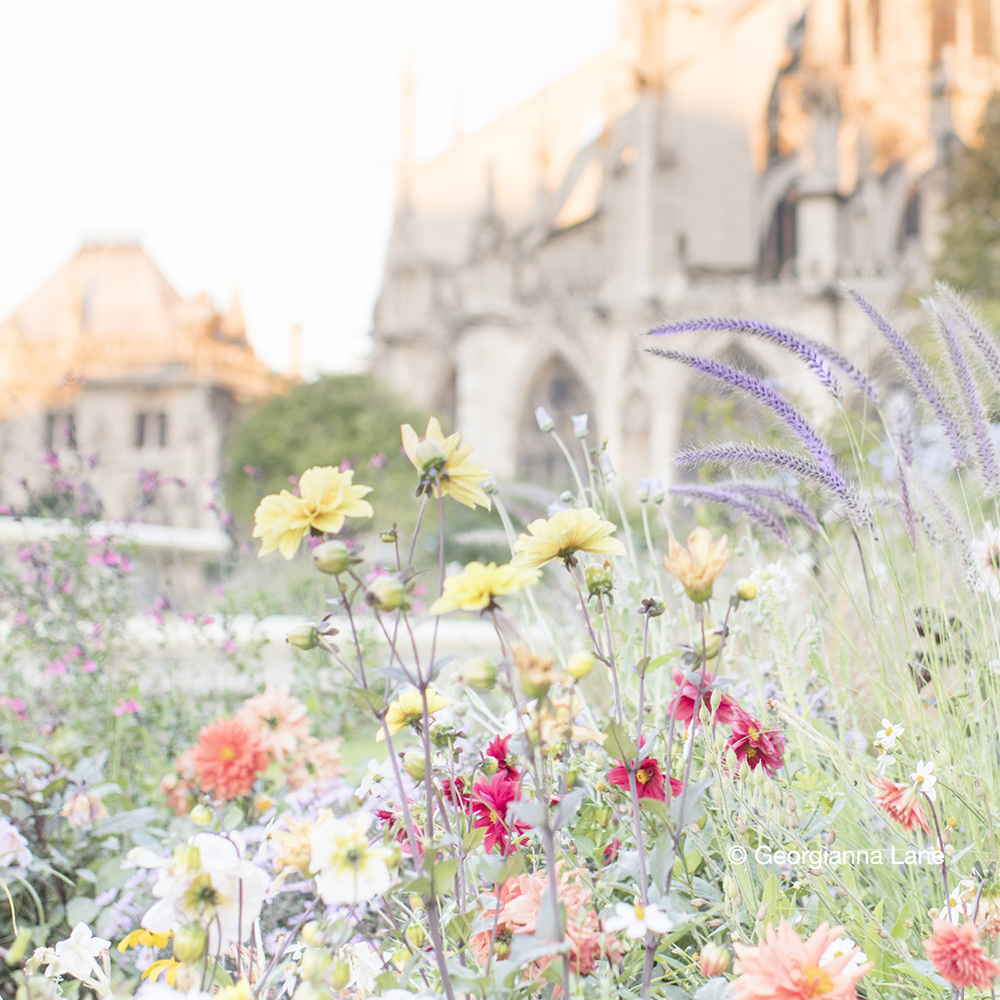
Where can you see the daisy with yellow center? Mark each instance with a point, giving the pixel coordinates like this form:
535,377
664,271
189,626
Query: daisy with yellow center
698,566
562,535
327,498
475,588
409,708
445,460
350,870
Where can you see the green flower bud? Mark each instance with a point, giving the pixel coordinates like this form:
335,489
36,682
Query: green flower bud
386,593
603,816
190,942
303,636
340,975
415,765
580,664
415,935
746,590
430,455
652,607
332,557
599,579
202,815
490,766
315,962
312,933
478,673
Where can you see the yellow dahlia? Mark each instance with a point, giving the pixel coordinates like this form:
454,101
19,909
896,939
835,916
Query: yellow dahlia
563,534
455,474
409,708
477,585
698,566
328,496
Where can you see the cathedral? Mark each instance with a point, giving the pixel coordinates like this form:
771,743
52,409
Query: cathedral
106,364
724,158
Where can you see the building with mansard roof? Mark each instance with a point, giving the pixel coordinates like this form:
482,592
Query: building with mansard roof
724,157
107,359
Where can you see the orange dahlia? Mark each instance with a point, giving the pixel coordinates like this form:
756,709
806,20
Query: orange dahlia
227,757
901,803
959,957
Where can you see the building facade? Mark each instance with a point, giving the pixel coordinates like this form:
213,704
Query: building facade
107,363
724,158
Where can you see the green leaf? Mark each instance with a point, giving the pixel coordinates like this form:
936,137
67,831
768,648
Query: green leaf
81,910
714,989
125,821
514,865
441,876
386,981
368,698
661,860
617,742
473,839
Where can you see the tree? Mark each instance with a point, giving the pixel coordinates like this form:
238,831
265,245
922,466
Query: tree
971,255
336,419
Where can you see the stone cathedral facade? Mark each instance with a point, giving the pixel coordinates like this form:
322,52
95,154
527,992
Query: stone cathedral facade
723,158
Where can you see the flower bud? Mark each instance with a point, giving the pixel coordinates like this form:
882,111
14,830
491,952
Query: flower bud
489,486
311,933
643,490
190,942
415,935
309,991
314,964
580,425
713,960
652,607
545,422
386,593
303,636
830,838
430,455
746,590
716,699
713,642
478,673
657,491
340,974
489,766
416,902
580,664
599,579
603,816
202,815
332,557
415,765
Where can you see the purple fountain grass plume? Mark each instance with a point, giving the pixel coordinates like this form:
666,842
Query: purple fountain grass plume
797,345
853,373
906,504
759,515
754,456
773,400
984,342
796,504
903,426
921,375
951,522
984,444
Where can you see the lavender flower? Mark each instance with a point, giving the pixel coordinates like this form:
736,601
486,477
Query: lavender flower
919,372
983,341
790,341
984,444
760,515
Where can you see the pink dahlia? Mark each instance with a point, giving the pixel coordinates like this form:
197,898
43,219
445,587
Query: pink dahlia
681,707
755,744
959,957
901,803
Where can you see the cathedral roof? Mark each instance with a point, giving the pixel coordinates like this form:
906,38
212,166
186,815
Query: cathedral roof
105,290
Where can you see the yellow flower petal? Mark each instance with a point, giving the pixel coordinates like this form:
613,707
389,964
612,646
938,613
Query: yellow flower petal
475,588
563,534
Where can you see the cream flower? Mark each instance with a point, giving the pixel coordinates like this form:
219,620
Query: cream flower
477,585
78,954
843,946
350,870
558,727
84,810
279,718
562,535
328,497
637,921
886,737
698,566
457,476
13,847
924,779
409,708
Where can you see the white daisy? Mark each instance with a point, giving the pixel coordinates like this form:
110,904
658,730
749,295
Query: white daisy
839,948
637,921
954,909
373,782
923,778
888,734
883,761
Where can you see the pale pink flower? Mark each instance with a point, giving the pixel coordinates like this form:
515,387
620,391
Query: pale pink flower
280,719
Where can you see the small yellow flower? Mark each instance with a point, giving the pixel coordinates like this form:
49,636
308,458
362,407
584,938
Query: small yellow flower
328,496
409,708
164,965
559,727
142,936
698,566
562,535
240,990
536,672
477,585
294,845
458,477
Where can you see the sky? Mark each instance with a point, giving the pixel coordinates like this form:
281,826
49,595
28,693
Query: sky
251,146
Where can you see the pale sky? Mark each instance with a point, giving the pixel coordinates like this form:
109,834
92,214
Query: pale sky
250,145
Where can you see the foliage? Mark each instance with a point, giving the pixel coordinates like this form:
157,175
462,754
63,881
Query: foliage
970,255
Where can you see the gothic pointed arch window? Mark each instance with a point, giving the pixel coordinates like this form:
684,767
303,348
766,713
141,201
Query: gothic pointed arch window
561,391
778,252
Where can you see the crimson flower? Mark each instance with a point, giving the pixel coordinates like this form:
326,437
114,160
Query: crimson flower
459,794
755,745
490,800
498,751
682,705
650,781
